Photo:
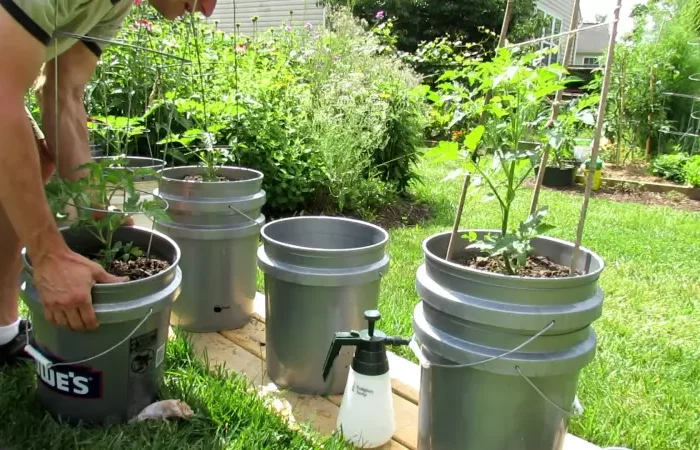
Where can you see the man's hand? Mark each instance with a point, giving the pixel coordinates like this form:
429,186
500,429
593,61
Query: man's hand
64,280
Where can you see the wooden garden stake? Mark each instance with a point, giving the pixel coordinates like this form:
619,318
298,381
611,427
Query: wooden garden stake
467,180
555,108
596,138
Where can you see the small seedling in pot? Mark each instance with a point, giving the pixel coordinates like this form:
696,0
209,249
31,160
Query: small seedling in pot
211,155
92,197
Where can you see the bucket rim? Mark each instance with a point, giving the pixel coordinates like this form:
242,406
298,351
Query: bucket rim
258,175
268,240
156,162
429,255
107,286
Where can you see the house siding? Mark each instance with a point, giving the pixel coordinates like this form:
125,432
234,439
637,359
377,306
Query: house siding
558,8
561,9
271,14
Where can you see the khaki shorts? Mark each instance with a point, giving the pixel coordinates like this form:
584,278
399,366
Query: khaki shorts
38,134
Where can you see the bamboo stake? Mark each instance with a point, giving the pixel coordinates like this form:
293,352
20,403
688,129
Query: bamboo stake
467,179
555,109
596,138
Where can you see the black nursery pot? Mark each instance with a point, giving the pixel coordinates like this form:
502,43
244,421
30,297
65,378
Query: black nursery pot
559,176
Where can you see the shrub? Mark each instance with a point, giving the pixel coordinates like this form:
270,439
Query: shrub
670,166
692,171
325,114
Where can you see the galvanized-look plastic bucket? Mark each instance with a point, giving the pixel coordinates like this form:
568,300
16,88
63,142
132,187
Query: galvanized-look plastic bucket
321,275
217,226
108,375
505,399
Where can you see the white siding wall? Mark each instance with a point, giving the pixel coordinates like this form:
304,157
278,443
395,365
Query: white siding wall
562,10
271,14
558,8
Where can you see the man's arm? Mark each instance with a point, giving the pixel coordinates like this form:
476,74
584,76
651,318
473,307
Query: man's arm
63,278
70,148
21,190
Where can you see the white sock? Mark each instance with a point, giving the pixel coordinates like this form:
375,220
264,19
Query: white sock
9,332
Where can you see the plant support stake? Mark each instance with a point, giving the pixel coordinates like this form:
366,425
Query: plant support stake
555,108
467,178
596,137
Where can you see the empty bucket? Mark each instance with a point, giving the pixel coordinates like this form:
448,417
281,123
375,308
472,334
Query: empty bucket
321,274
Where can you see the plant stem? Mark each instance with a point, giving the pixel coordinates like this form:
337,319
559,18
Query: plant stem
509,267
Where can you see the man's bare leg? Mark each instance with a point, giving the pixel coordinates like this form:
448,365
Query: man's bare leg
10,270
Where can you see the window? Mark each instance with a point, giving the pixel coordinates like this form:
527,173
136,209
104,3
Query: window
590,61
549,25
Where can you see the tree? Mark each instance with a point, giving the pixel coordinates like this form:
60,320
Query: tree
427,20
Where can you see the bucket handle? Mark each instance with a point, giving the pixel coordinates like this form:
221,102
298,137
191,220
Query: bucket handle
413,345
44,361
547,399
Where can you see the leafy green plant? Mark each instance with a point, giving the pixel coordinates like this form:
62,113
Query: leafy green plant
671,166
518,106
92,197
691,171
332,121
562,135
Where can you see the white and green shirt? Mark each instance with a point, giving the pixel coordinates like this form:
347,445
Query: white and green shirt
52,21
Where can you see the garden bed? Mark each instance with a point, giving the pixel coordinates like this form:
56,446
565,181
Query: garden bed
635,192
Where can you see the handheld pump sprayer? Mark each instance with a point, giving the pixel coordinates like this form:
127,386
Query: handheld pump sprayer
366,417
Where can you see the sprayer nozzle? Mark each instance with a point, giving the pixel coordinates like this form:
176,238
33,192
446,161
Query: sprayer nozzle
397,341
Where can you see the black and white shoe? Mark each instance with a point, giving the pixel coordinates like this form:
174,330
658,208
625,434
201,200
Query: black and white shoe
13,352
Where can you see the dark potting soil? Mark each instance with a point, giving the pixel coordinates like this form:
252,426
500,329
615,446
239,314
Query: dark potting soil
536,267
138,268
201,178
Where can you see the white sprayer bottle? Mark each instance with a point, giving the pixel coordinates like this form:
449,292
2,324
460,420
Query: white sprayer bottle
366,418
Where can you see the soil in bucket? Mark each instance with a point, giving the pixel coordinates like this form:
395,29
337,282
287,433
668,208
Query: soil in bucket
536,266
201,178
108,375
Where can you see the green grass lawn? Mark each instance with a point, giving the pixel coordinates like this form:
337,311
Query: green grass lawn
229,416
642,389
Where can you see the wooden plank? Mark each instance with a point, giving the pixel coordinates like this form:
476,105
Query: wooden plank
317,413
252,338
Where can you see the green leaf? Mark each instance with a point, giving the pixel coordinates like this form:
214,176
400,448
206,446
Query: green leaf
445,151
473,139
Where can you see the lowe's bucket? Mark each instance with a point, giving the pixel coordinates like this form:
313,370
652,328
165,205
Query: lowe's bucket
321,275
108,375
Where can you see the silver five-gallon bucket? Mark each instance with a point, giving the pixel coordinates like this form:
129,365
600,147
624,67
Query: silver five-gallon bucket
501,354
110,374
217,226
321,275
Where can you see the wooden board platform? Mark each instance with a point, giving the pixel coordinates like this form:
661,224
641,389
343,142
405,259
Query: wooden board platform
243,351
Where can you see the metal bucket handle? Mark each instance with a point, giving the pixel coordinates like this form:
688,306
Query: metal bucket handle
413,345
236,210
44,361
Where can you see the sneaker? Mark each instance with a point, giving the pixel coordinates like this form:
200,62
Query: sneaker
13,352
